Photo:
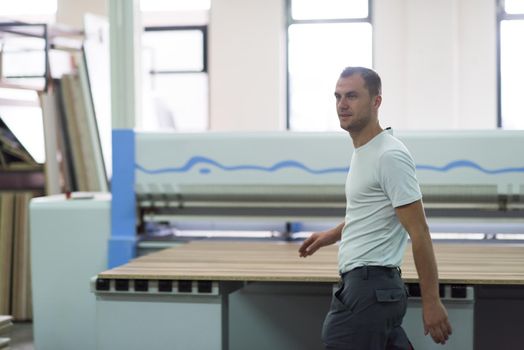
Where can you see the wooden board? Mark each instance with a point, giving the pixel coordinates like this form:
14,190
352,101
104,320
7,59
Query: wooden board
15,272
21,306
7,218
4,343
270,261
5,322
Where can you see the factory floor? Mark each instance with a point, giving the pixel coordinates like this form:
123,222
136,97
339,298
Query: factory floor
21,335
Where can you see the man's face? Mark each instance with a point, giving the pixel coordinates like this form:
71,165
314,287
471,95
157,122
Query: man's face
355,107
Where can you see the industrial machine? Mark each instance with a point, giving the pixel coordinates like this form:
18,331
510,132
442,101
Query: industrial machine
171,188
291,182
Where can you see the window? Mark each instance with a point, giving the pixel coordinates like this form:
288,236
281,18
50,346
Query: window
511,56
175,59
22,8
29,11
175,82
23,54
22,63
323,38
18,109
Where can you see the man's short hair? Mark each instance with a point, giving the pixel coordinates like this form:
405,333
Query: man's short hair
371,78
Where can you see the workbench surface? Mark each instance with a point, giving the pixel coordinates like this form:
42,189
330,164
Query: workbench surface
460,263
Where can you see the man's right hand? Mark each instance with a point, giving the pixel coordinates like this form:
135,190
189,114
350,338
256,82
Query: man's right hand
316,241
320,239
312,244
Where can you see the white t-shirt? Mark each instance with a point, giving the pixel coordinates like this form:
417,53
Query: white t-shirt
381,178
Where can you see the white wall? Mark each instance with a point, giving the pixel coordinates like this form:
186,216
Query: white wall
71,13
247,70
437,60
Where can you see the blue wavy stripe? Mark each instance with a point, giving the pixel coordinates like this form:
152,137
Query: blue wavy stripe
469,164
199,161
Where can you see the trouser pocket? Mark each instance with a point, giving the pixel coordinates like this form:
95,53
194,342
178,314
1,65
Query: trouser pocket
392,303
391,295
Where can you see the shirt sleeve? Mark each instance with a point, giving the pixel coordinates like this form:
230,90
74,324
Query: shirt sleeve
397,176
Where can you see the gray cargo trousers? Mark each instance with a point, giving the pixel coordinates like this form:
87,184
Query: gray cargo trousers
366,311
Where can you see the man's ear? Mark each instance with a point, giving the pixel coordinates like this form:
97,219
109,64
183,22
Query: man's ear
377,101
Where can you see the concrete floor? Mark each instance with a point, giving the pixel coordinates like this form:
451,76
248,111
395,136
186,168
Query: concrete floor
21,335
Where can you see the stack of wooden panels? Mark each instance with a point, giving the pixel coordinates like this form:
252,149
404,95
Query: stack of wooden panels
269,261
5,325
17,187
15,272
74,154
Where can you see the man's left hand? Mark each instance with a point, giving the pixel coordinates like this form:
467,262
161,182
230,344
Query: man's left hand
436,321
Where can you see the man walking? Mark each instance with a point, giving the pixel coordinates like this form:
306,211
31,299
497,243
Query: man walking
384,204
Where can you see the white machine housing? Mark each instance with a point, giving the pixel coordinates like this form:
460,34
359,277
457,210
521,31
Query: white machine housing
465,171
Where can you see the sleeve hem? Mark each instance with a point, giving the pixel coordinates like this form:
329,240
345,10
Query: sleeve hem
407,201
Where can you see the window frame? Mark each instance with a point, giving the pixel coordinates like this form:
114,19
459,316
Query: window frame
33,30
290,21
153,73
502,15
202,28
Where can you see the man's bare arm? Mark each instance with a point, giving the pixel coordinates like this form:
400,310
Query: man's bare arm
320,239
434,313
